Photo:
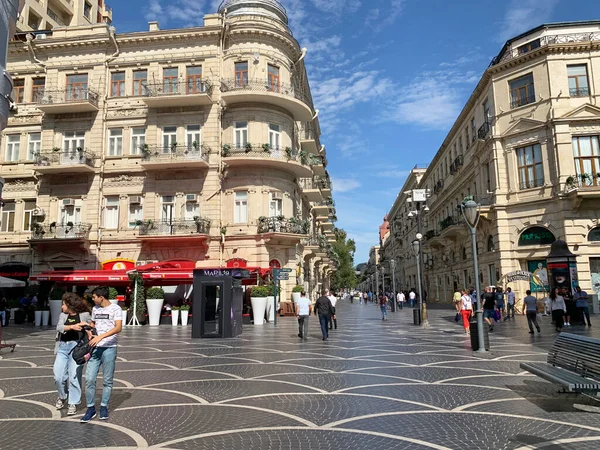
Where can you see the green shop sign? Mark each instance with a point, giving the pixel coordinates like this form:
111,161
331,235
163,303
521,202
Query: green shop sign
536,236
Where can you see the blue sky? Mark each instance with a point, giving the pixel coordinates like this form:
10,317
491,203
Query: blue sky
388,76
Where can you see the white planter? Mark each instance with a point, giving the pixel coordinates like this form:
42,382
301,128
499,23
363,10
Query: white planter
184,316
55,309
270,308
259,305
124,316
45,318
38,318
174,317
295,297
154,309
114,301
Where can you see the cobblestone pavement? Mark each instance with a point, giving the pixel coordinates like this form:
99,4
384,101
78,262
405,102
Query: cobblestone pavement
373,385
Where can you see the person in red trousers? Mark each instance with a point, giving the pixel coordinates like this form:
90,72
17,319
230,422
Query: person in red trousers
466,309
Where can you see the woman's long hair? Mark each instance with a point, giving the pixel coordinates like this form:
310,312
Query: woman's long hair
75,303
552,294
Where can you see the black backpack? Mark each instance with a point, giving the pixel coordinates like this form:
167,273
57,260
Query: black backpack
82,351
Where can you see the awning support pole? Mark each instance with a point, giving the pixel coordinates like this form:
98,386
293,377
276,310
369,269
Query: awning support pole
134,322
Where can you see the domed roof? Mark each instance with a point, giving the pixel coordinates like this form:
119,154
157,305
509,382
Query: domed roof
268,8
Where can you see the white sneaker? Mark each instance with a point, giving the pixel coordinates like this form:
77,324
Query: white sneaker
72,410
60,403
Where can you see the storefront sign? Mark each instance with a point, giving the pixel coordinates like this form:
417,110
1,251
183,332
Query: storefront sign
519,275
536,236
235,273
15,271
118,264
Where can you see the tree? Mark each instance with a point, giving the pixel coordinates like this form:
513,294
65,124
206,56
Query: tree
345,275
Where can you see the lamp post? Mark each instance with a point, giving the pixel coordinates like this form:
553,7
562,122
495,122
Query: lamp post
470,211
416,245
382,279
419,198
393,268
376,281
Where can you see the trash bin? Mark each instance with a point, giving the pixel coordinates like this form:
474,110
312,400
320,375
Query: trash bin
417,316
475,336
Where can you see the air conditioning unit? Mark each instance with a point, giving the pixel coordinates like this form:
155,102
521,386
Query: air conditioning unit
189,198
68,202
135,200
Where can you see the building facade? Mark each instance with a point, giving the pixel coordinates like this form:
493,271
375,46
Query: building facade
525,147
199,144
49,14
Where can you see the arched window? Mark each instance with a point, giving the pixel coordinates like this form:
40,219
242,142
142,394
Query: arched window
490,245
536,236
594,235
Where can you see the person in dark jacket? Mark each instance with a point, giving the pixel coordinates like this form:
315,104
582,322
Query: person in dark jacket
324,308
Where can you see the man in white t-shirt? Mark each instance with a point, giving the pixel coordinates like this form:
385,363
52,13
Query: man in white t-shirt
412,296
333,322
303,310
108,321
400,299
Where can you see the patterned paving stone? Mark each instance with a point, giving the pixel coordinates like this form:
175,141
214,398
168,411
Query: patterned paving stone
260,370
331,382
17,372
13,409
148,377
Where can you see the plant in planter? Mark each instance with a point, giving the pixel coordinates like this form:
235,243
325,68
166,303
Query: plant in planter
570,182
196,145
56,149
248,147
37,230
258,298
185,312
226,150
296,291
303,158
288,153
112,295
173,147
266,148
69,227
155,297
175,315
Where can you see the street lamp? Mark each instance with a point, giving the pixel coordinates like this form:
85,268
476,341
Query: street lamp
419,199
393,268
416,245
470,211
382,279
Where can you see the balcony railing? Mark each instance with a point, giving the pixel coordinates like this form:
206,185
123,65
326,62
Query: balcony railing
199,225
327,203
456,219
61,157
56,18
67,230
179,87
193,152
311,241
282,225
264,151
438,187
522,101
579,92
484,130
314,183
68,95
316,160
583,180
531,184
231,85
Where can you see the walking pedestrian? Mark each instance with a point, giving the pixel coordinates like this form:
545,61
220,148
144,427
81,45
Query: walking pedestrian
412,295
530,308
473,294
383,306
559,309
74,314
456,302
500,302
107,319
571,310
324,309
333,321
489,307
303,308
400,299
510,303
3,306
581,301
466,310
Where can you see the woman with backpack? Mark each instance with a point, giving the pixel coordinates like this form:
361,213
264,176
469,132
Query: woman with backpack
75,314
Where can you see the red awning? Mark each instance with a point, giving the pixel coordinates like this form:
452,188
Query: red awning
85,277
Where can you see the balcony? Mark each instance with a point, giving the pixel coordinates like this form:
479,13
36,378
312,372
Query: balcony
309,141
65,5
179,93
522,101
311,189
70,100
56,18
583,185
60,161
318,164
175,156
579,92
264,156
438,187
290,98
323,208
327,226
453,227
60,232
484,130
198,228
280,224
531,184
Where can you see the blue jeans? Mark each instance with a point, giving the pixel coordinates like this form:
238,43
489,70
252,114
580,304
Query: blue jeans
324,321
2,318
105,356
66,371
383,311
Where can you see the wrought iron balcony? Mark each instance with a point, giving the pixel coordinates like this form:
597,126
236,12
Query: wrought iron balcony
55,230
199,225
579,92
56,18
438,187
287,158
522,101
311,241
167,93
229,85
280,224
450,221
583,180
314,183
182,155
61,160
72,99
531,184
484,130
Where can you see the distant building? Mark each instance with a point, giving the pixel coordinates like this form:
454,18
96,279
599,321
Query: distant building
50,14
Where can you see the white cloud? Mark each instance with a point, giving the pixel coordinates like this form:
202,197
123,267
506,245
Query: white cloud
186,12
523,15
153,11
385,15
345,184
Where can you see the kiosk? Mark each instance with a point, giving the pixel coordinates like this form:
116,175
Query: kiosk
218,303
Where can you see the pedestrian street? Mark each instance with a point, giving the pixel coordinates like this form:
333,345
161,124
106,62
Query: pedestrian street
372,385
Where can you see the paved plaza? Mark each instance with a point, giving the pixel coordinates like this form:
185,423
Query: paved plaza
373,385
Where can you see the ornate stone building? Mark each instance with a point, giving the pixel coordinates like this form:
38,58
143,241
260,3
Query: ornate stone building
526,147
197,144
50,14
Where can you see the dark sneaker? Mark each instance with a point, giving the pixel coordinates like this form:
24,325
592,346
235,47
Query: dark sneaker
89,415
103,413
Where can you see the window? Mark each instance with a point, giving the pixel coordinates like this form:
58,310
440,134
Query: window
72,142
531,172
77,88
240,134
467,137
115,142
194,80
111,213
486,111
491,247
492,273
192,138
578,80
586,151
273,82
13,145
522,91
8,217
70,213
168,208
192,209
34,145
275,205
274,136
526,48
18,92
140,80
169,139
240,207
170,81
29,206
135,212
473,130
460,145
138,139
87,11
117,84
37,90
241,74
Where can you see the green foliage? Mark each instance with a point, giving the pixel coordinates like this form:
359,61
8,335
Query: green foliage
155,293
112,293
271,288
298,288
259,291
344,249
185,307
138,301
175,308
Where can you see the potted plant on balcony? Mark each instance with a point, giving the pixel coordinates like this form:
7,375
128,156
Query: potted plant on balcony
226,150
248,147
145,149
175,315
303,158
155,297
266,148
258,298
56,149
288,153
196,145
185,313
173,147
55,302
112,295
296,290
37,230
570,182
69,227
